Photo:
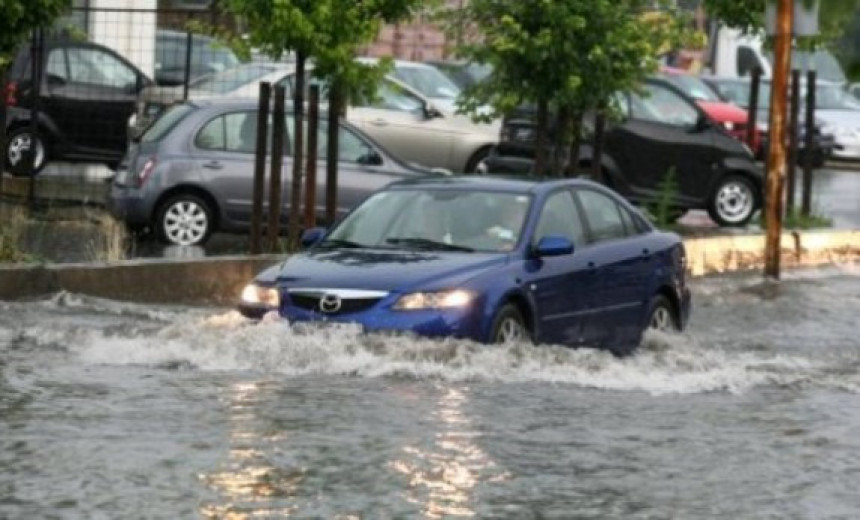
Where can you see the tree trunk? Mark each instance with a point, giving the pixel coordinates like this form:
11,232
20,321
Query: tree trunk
298,152
599,135
561,142
575,141
540,139
335,100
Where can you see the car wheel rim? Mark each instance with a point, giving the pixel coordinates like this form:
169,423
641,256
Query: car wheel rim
510,330
18,148
734,202
185,223
661,320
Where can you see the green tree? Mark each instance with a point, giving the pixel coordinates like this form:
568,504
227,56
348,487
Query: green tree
17,19
570,57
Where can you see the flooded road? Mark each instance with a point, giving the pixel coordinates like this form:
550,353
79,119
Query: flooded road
113,410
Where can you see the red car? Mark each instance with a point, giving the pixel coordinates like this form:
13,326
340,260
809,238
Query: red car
730,116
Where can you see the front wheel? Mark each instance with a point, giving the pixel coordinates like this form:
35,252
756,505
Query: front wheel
509,326
17,153
184,220
733,202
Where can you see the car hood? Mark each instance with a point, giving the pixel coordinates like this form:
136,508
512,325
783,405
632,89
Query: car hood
724,112
381,269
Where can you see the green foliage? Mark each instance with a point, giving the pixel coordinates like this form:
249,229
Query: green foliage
19,17
663,211
223,36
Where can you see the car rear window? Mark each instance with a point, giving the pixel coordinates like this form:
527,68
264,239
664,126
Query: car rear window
165,123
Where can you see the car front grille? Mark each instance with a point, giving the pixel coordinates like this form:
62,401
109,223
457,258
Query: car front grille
311,302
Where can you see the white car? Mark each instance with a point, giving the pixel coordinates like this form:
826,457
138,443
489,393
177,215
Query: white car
411,126
839,112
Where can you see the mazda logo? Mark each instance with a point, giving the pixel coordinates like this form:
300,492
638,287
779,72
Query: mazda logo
330,303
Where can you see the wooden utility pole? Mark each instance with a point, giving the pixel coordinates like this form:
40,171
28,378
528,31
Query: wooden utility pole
776,153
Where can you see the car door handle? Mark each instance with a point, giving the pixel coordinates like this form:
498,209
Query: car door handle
213,165
379,122
591,265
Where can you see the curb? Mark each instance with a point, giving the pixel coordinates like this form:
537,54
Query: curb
219,280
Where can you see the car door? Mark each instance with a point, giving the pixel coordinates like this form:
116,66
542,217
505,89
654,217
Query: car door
399,121
562,286
622,265
663,132
223,151
86,83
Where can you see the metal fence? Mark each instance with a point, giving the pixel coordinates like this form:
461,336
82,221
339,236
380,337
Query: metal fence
77,91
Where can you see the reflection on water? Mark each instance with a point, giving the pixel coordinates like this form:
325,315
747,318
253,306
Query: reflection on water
250,484
441,480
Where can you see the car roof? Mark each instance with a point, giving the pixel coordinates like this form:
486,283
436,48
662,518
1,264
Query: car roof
491,182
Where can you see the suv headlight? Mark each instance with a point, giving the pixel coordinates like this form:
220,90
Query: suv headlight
434,300
260,295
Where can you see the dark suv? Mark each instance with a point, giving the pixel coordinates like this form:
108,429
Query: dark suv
86,96
660,130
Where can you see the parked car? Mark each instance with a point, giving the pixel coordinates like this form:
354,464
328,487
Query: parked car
428,81
660,131
733,118
738,91
191,173
462,73
207,56
86,96
580,268
411,126
839,112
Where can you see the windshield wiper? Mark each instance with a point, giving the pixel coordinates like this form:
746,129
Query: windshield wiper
426,243
339,242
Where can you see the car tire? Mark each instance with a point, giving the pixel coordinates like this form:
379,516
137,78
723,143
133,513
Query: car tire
509,325
472,166
661,315
15,154
733,201
184,220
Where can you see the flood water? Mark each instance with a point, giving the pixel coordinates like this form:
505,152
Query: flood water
113,410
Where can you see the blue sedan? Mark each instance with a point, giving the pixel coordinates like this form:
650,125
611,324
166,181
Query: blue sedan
487,259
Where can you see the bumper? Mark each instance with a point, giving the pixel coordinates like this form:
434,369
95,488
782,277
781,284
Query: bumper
507,164
128,204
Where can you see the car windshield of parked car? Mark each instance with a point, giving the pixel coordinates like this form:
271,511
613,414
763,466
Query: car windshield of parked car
660,105
231,79
165,123
738,92
824,62
834,97
693,87
428,81
437,220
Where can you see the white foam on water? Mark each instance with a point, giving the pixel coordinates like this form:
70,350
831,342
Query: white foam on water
664,364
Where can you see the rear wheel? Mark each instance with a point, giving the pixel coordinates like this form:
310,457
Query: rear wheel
733,201
184,220
661,315
17,153
476,162
509,325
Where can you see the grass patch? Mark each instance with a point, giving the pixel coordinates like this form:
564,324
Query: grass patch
794,219
112,239
13,224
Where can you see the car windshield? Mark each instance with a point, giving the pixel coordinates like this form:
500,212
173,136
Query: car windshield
823,61
231,79
738,92
165,123
428,81
834,97
693,87
438,219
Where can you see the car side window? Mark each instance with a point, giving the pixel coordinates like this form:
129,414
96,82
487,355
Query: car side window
56,65
391,96
603,216
351,147
661,105
235,132
627,219
96,67
560,217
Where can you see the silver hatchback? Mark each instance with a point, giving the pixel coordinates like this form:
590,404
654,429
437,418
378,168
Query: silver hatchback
191,173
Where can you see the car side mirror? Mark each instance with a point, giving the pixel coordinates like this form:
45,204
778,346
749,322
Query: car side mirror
370,158
311,236
553,245
702,123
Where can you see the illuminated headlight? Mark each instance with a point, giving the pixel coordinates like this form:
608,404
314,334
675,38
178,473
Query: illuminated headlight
433,300
728,125
259,295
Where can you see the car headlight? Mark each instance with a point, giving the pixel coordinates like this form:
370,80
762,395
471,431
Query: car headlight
433,300
728,125
259,295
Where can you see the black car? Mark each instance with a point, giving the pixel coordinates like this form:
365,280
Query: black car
659,131
207,55
86,96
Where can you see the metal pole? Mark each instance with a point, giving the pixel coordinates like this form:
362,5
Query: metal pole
3,100
275,186
334,110
311,173
260,166
809,137
752,114
792,136
298,152
188,47
776,154
36,92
